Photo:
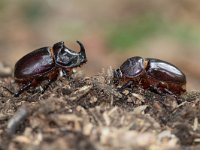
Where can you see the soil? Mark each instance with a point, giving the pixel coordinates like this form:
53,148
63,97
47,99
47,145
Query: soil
82,112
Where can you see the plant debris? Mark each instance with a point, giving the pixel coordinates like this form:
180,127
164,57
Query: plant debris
91,113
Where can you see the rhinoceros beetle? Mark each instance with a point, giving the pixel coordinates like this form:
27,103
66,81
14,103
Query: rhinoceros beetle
46,63
150,73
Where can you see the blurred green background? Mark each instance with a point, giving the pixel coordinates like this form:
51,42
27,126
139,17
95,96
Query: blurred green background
111,31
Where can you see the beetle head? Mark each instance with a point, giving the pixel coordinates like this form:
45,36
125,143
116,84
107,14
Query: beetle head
132,68
117,75
67,58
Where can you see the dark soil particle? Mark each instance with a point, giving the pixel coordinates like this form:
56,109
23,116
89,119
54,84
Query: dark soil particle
91,113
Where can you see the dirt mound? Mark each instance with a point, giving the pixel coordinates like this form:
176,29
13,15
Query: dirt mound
90,113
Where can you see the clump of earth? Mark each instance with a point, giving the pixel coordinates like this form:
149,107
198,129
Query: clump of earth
81,112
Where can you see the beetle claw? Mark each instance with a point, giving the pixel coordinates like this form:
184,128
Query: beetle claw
16,94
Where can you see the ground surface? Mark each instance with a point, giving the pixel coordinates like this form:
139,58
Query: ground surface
89,113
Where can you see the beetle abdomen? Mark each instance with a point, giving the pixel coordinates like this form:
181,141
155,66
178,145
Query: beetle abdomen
164,71
34,64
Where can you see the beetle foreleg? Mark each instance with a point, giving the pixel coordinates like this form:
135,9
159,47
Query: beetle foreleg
128,84
67,73
64,73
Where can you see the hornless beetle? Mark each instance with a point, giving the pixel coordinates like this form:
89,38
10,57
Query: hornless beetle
149,73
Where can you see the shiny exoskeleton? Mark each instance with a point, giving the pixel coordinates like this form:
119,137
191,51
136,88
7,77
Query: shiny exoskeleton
46,63
150,73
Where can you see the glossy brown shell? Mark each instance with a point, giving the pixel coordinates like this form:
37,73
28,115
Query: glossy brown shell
34,64
164,71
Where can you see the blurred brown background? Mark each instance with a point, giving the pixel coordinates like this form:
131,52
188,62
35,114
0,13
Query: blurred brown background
110,30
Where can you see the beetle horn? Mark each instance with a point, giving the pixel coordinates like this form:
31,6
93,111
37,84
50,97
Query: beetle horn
82,50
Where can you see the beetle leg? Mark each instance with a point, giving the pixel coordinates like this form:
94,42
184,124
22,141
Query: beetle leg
50,81
22,89
161,91
168,92
155,89
52,77
67,73
128,84
63,73
11,92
